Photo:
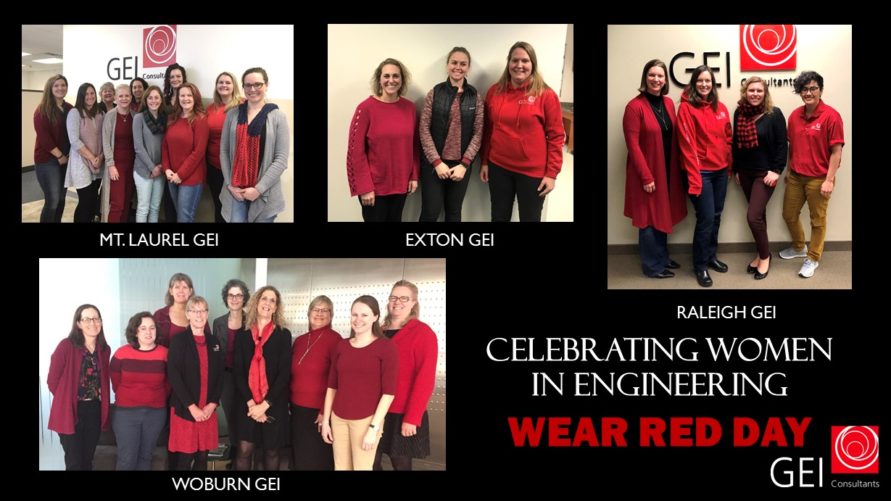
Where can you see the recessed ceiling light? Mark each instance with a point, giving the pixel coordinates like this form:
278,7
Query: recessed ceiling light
25,53
48,60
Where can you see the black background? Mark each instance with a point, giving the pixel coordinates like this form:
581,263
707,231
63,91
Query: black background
544,280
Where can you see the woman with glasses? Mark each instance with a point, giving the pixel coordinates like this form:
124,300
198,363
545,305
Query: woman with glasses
139,380
759,157
262,372
407,426
451,133
183,151
383,153
225,328
705,135
310,364
171,320
51,147
226,96
79,381
361,385
253,155
195,372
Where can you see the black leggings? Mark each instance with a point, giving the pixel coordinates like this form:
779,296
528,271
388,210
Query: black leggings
185,461
504,186
87,202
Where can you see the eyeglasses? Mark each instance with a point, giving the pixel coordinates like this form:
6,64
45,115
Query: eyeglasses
805,90
401,299
203,312
91,320
321,310
235,296
258,85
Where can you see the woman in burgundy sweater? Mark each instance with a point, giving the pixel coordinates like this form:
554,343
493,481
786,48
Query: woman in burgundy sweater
51,147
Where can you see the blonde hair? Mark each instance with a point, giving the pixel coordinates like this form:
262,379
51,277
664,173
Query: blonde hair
768,101
237,98
537,85
415,309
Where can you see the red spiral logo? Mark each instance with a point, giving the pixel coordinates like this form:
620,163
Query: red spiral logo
768,47
855,449
159,46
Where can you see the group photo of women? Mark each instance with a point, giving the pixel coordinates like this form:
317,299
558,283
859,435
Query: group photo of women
196,140
466,126
322,371
698,152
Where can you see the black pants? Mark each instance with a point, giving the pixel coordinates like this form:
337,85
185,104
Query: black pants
504,186
80,446
215,183
87,202
386,209
436,192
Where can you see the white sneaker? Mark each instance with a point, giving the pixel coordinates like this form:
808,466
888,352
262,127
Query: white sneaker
808,268
791,253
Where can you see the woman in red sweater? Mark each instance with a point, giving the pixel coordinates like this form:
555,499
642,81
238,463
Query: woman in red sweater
51,147
183,152
704,138
383,150
407,427
226,96
522,139
139,380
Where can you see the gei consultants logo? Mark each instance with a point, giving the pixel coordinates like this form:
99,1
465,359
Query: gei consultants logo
767,47
159,46
855,449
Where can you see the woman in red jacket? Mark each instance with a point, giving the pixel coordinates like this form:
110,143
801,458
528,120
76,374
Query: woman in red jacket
654,192
78,379
704,138
407,427
522,139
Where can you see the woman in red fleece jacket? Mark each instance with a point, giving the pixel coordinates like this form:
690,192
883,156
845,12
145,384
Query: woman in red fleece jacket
522,139
407,427
704,138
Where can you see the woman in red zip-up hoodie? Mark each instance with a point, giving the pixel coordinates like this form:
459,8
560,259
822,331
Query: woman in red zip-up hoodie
522,139
704,139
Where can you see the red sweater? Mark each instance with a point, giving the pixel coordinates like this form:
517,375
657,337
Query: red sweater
361,376
704,137
310,364
184,149
51,136
216,116
63,381
524,134
418,350
384,147
139,378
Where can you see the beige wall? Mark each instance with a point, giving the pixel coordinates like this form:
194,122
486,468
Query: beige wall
825,49
354,52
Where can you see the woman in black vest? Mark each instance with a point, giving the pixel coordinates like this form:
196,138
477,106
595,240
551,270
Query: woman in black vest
451,132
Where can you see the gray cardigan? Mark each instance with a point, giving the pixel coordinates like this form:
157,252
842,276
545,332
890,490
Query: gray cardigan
108,125
275,161
148,146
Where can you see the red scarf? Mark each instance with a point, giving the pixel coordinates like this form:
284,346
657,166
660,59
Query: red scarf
257,373
746,133
246,166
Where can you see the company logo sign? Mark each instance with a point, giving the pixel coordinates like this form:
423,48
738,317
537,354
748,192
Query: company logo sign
855,449
767,47
159,46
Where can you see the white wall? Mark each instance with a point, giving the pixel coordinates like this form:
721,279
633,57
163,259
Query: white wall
824,49
36,80
354,51
566,92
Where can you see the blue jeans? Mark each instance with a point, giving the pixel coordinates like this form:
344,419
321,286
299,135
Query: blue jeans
148,197
653,251
240,211
709,205
51,177
185,199
136,431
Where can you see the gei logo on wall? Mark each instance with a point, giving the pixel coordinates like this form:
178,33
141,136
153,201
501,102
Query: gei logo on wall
767,47
855,450
158,51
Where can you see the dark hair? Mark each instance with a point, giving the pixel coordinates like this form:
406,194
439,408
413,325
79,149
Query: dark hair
76,335
458,49
133,328
81,102
248,72
805,78
177,277
370,302
197,105
168,90
376,79
693,96
234,282
646,70
145,86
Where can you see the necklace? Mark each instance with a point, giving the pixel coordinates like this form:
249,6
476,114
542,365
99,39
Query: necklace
659,111
309,344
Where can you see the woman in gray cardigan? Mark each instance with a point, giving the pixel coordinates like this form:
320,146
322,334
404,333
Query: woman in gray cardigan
149,126
253,155
86,161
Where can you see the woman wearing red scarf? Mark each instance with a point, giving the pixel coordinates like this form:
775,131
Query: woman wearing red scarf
759,157
262,371
253,155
